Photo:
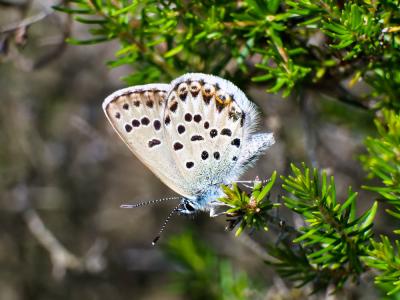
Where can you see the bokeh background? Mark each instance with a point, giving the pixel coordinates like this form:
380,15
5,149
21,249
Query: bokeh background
64,173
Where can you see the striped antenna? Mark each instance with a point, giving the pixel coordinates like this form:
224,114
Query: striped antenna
165,224
148,202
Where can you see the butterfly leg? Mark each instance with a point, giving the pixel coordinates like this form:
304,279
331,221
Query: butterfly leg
246,183
218,208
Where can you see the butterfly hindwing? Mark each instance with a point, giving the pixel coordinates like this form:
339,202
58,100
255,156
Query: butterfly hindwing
207,121
136,115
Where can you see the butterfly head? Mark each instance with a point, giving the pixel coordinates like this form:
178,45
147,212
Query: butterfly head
203,201
187,207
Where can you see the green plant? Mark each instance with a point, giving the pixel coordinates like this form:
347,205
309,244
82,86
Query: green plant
202,274
383,162
331,242
288,45
248,210
383,159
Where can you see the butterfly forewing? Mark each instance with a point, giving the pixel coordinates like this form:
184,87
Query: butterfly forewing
136,115
204,125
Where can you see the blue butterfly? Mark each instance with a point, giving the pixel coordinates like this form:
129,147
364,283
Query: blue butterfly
196,133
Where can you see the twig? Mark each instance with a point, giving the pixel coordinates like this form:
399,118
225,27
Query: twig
58,50
255,247
61,258
25,22
340,93
282,225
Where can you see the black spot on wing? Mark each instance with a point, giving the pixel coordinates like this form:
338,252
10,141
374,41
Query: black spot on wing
183,96
182,91
217,155
150,103
242,119
188,117
173,106
196,138
194,94
135,123
167,120
157,124
181,129
234,115
236,142
219,106
197,118
145,121
226,131
178,146
154,142
207,99
195,88
128,128
204,155
208,93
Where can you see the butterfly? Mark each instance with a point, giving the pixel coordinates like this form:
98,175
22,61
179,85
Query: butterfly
194,134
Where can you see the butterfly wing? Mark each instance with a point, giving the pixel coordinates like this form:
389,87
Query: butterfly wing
208,119
135,113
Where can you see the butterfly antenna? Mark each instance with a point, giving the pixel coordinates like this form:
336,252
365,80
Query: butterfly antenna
164,225
147,202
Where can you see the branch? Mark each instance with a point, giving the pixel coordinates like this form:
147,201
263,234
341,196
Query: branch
61,258
25,22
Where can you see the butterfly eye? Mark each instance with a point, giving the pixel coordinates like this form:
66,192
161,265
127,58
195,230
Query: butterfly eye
185,208
190,208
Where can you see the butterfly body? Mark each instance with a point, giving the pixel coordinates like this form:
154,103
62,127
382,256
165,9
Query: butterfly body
204,201
195,134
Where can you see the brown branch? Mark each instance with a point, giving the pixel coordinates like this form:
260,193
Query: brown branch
61,258
25,22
